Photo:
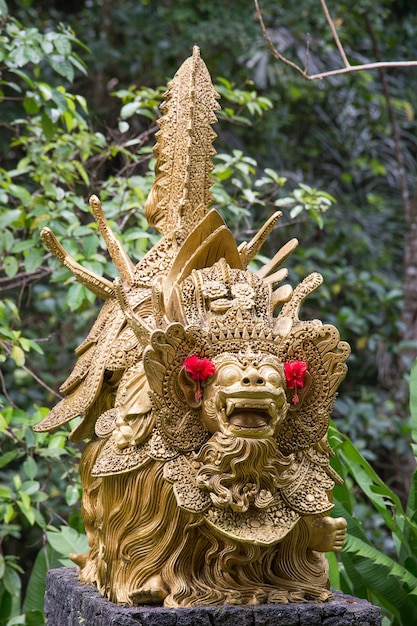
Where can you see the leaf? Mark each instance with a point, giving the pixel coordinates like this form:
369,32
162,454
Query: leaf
284,202
79,65
18,620
128,110
9,513
391,581
25,343
62,45
11,581
90,245
45,90
368,569
3,8
70,120
59,98
18,355
296,210
72,495
354,527
67,541
79,166
20,192
35,618
30,467
34,597
75,296
33,260
30,105
8,217
30,487
24,77
384,499
334,576
5,459
48,126
47,46
62,66
27,511
410,529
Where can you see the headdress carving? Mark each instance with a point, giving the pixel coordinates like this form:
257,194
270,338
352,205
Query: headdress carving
234,461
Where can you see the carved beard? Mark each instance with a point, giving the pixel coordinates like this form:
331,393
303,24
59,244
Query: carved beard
239,473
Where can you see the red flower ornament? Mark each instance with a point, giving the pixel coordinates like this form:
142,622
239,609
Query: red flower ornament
294,375
199,370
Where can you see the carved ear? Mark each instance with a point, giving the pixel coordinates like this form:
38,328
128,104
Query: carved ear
302,392
189,388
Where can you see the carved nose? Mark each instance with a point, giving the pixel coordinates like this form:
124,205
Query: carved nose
252,377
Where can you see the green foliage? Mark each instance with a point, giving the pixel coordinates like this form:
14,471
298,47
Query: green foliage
306,198
38,53
39,486
387,577
59,543
67,133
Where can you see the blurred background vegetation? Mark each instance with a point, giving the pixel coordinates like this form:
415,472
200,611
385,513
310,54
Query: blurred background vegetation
80,84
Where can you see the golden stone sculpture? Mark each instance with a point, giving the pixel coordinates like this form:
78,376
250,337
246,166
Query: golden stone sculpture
206,476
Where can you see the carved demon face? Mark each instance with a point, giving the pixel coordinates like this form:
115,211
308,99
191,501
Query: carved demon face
245,397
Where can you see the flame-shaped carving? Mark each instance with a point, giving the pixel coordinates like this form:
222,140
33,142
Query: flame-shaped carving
181,194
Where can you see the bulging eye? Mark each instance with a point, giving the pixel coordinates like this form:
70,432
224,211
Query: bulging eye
271,376
229,375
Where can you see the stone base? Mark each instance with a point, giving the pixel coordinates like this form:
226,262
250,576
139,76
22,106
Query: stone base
69,603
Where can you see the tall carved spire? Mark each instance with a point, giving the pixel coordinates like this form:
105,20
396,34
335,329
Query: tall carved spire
181,194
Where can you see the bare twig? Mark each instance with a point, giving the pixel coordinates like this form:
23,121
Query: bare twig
334,33
394,123
40,381
307,53
4,389
22,279
6,347
274,51
343,70
361,68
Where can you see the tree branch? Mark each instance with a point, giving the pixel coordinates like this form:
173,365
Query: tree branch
4,389
362,68
41,382
274,51
23,278
343,70
5,345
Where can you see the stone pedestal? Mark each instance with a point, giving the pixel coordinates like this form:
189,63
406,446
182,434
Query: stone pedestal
69,603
